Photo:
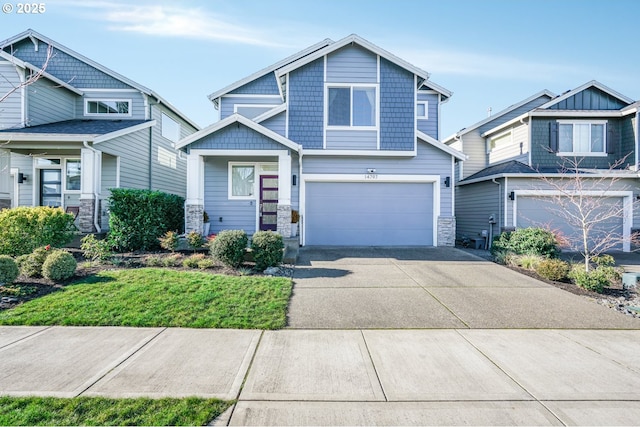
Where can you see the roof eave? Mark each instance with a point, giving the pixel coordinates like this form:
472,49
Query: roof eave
449,150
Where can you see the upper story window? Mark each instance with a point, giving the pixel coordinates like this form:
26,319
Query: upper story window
170,128
422,110
582,137
110,107
352,106
499,141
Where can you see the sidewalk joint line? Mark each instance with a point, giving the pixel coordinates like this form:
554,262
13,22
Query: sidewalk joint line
366,346
32,335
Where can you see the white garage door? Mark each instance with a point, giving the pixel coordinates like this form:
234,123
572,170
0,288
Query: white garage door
369,214
543,212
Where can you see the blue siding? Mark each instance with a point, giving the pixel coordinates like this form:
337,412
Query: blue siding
277,124
352,139
138,109
227,103
397,109
352,64
265,85
306,105
67,68
429,126
590,99
237,138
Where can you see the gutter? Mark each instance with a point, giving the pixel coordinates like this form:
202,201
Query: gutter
96,196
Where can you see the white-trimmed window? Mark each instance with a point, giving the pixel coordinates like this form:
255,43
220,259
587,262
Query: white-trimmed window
582,137
170,128
352,106
167,158
422,110
72,174
499,141
107,107
242,181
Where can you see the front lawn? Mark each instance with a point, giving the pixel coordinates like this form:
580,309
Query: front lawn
87,411
152,297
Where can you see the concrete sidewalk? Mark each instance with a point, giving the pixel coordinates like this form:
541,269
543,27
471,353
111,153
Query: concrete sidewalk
342,377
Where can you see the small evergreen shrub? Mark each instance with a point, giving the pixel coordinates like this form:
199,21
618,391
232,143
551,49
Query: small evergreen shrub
8,270
527,241
169,241
23,229
603,260
552,269
139,217
173,260
59,265
32,265
153,261
205,263
595,279
193,260
268,249
195,240
96,249
229,247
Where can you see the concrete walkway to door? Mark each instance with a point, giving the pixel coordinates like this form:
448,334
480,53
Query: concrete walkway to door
430,288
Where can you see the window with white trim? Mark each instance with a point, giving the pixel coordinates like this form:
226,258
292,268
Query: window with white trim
72,174
582,137
352,106
170,128
167,158
107,107
499,141
422,110
242,181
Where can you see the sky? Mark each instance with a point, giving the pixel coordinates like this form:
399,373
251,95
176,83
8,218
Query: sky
489,53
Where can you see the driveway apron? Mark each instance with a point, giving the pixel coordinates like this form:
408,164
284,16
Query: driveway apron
430,288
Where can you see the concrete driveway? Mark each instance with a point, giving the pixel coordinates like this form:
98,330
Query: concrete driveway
425,288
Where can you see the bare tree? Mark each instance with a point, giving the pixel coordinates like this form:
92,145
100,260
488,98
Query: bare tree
32,78
581,198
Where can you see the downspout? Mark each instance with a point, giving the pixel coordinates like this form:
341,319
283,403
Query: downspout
637,138
96,196
150,145
490,237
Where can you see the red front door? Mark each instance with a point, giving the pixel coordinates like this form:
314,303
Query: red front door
268,202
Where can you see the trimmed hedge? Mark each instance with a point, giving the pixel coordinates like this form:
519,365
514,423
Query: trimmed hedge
139,217
23,229
268,249
8,270
59,265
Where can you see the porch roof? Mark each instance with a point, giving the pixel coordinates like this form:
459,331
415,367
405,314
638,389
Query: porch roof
76,130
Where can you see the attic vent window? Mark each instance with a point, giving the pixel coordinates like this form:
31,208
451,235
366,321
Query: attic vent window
110,107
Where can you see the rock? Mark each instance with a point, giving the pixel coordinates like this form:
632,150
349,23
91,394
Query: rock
272,271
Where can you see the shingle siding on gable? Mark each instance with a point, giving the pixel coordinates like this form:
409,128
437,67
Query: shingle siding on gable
65,67
397,109
352,64
430,125
589,99
628,138
236,138
277,124
265,85
306,105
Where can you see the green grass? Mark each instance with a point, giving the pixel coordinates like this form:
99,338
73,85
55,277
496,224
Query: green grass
152,297
88,411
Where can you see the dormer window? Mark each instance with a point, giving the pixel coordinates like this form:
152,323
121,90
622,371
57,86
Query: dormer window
107,107
352,106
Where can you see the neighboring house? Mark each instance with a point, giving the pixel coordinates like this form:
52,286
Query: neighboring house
516,157
344,132
79,130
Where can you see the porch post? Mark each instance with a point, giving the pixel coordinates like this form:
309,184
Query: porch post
194,204
284,194
5,172
90,167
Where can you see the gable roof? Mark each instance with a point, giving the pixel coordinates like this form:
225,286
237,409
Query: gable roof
592,83
237,118
217,94
450,150
354,38
499,114
34,35
76,130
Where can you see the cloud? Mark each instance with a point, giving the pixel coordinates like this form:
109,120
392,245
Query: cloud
168,20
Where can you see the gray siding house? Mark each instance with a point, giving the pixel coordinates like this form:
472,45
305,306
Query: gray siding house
79,129
520,158
344,132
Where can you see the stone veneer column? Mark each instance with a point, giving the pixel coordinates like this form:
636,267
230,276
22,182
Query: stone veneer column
446,231
193,218
85,216
284,221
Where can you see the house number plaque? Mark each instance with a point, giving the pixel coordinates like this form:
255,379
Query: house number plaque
371,176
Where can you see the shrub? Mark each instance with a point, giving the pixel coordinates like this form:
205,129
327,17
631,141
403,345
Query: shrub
195,240
96,249
59,265
603,260
153,261
267,248
169,241
8,270
529,241
528,262
23,229
174,260
32,265
139,217
205,263
193,260
503,257
552,269
595,279
229,247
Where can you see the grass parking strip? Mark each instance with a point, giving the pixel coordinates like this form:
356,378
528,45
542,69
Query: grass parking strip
151,297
